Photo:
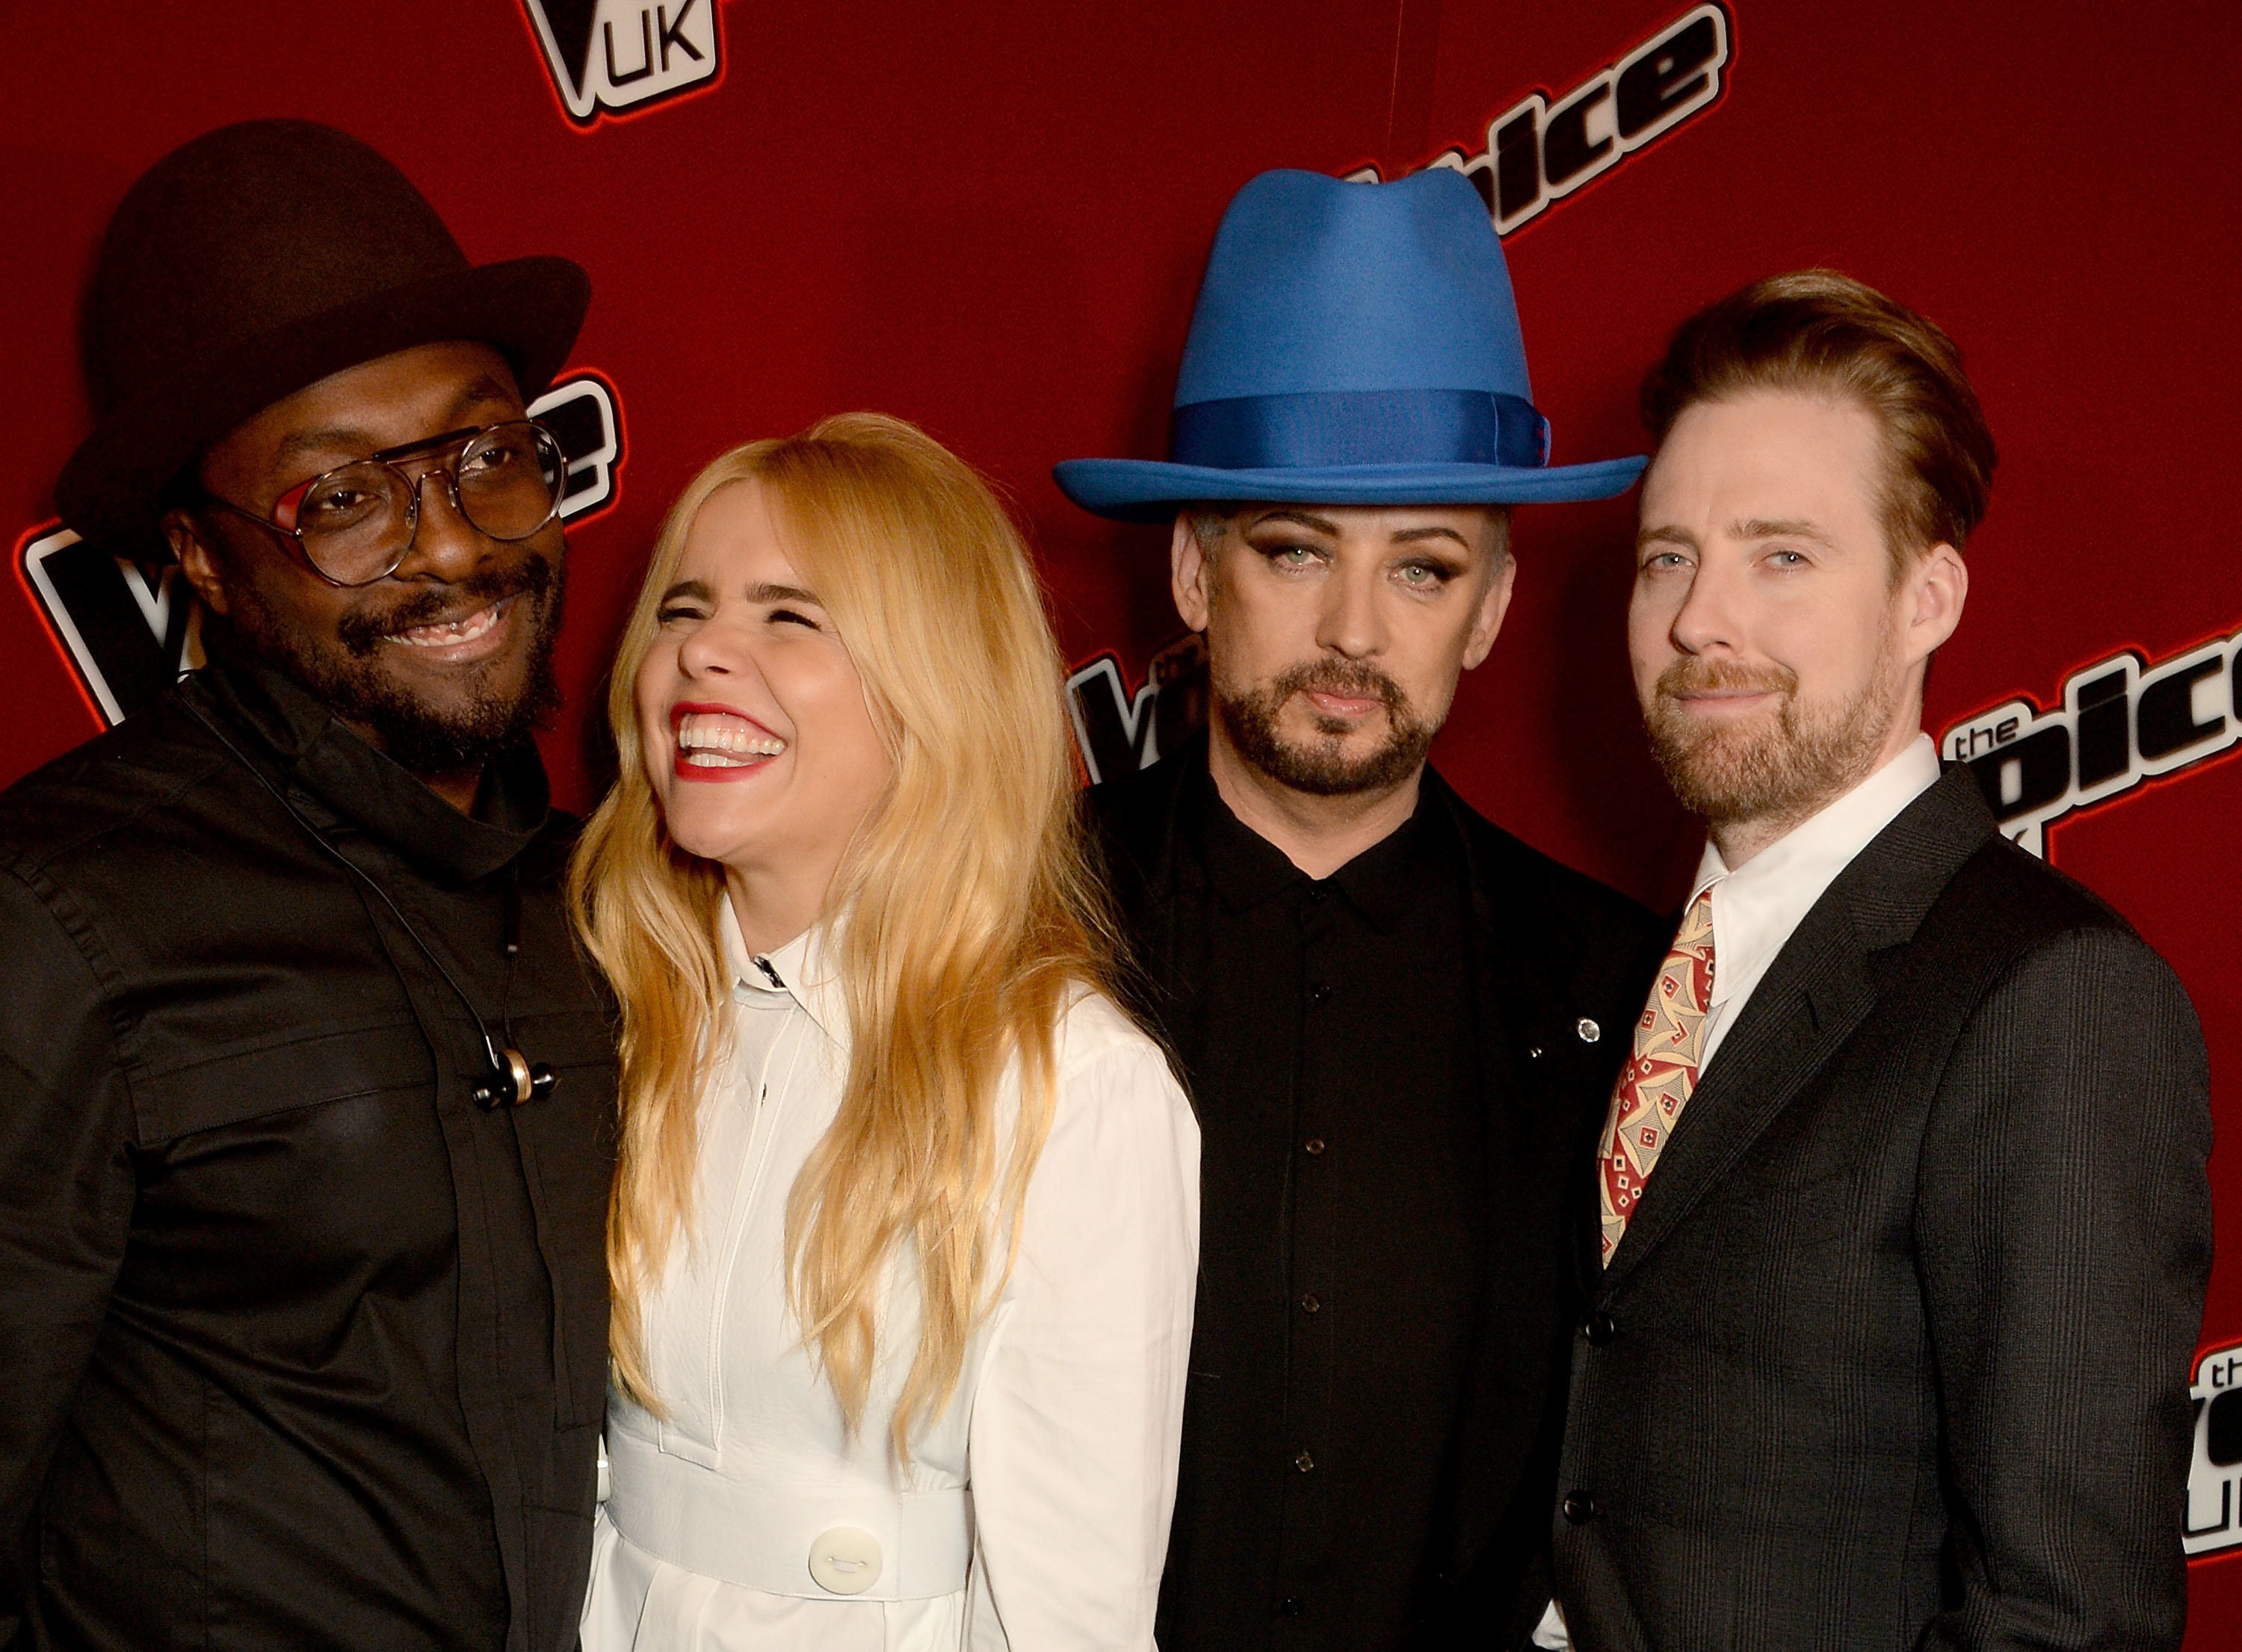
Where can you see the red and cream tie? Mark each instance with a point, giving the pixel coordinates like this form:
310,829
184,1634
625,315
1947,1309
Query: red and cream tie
1655,1086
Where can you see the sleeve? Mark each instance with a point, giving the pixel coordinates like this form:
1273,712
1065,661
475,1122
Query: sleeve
66,1184
1078,1413
2065,1243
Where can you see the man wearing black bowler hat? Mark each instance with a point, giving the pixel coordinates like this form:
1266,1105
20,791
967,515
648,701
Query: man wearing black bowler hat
306,1098
1393,1015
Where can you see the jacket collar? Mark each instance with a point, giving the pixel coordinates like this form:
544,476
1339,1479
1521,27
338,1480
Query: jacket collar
297,737
1821,986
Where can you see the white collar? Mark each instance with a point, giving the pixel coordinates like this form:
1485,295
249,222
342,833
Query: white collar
1756,906
800,970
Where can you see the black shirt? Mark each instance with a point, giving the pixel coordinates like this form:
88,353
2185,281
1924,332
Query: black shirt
1398,1072
1343,1210
300,1346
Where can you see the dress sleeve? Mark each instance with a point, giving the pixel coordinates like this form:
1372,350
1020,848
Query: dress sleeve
1078,1410
66,1182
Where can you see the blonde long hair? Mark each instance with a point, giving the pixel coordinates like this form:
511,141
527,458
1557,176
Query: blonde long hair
968,913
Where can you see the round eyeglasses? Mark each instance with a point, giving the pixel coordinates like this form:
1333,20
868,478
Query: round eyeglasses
355,524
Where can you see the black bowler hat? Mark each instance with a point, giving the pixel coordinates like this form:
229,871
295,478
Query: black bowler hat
254,261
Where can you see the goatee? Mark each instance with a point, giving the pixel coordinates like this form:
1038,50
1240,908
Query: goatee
419,737
1782,768
1323,768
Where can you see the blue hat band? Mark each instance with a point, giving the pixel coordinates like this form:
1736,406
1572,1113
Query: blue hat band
1316,429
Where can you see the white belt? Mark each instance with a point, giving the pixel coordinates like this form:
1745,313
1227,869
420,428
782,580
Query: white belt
816,1543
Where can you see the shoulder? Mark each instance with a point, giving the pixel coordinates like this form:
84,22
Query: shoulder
2040,933
86,801
1131,813
1542,893
1109,1065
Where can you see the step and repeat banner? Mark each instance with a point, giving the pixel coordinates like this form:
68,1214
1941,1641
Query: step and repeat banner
992,220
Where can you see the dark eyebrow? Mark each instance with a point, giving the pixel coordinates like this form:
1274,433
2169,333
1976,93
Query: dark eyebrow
782,593
1759,528
693,588
1411,535
1301,518
481,388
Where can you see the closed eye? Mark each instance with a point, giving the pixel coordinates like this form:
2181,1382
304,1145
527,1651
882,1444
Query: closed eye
792,616
670,613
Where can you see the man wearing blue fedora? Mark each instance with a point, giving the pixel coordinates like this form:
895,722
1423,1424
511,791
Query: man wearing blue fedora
1390,1011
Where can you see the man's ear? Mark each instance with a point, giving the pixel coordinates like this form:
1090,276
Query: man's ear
1932,594
1190,571
197,560
1487,622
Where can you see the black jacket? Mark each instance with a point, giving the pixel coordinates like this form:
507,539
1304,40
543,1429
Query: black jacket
299,1346
1559,965
1895,1350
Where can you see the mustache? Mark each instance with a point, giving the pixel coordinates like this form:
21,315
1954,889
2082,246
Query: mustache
1691,675
1352,677
363,630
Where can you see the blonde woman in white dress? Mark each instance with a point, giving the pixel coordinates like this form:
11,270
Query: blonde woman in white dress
905,1221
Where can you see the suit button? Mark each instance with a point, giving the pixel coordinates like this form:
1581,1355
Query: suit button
1533,1052
1309,1305
1588,1030
845,1561
1313,1147
1600,1328
1303,1462
1319,993
1579,1507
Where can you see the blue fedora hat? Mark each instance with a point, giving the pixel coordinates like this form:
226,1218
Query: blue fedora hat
1354,343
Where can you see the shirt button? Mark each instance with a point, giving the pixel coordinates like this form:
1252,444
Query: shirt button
1600,1328
1588,1030
1313,1147
1290,1606
1533,1052
1309,1305
1303,1462
1579,1507
1319,993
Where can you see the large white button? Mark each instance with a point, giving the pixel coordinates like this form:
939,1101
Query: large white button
845,1561
1588,1030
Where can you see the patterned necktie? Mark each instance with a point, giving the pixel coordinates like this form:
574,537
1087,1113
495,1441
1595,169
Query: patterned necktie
1654,1086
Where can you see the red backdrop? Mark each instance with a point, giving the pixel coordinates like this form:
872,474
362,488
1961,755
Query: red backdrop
994,223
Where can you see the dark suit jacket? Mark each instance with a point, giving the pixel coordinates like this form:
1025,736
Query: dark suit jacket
1895,1350
1547,948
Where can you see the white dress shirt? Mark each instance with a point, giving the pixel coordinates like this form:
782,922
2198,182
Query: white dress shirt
1035,1512
1756,907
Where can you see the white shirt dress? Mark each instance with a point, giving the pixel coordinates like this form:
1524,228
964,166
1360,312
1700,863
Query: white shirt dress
1035,1512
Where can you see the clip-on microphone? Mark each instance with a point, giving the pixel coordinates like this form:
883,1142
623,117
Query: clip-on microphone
509,1078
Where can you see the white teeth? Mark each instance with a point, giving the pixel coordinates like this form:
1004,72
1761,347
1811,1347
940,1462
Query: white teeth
706,736
458,630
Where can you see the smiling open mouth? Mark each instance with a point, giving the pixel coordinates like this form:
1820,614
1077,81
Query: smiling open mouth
720,740
451,634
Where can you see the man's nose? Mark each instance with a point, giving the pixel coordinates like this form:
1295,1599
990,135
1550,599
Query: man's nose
1710,618
446,545
1352,623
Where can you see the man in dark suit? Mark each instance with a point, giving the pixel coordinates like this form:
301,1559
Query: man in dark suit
1389,1012
1904,1223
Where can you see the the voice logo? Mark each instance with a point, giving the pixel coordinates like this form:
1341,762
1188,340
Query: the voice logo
609,57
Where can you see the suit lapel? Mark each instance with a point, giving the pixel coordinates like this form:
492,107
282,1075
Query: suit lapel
1814,996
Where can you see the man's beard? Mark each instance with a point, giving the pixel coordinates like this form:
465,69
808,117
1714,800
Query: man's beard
1250,717
419,737
1784,768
